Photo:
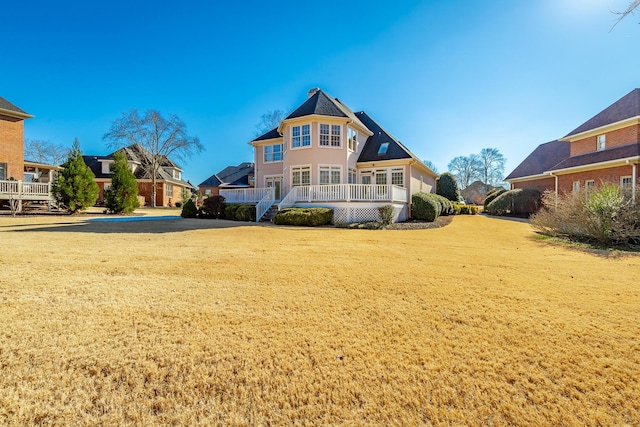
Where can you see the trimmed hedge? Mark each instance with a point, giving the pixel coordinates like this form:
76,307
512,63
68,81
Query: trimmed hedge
519,202
424,207
492,195
310,217
240,212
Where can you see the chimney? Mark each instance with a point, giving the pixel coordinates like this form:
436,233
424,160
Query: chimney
312,91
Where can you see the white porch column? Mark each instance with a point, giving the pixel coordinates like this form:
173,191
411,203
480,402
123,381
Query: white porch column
633,183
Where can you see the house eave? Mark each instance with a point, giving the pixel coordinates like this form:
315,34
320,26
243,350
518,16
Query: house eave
529,177
602,129
595,166
16,114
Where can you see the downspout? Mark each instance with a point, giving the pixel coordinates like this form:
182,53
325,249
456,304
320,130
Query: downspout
556,186
633,181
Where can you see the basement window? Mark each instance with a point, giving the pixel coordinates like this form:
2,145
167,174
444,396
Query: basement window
383,148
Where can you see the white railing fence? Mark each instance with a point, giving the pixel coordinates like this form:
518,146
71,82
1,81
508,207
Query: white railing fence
267,201
244,195
346,193
25,190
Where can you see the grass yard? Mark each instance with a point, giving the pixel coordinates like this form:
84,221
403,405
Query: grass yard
184,322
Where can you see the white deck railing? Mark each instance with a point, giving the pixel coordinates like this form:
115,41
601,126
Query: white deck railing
345,193
19,190
263,205
244,195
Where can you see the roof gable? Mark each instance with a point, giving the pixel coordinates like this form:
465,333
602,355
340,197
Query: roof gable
272,134
542,159
10,108
625,108
369,153
231,175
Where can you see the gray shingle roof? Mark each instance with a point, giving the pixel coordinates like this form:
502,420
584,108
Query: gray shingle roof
626,107
616,153
372,146
318,103
231,175
542,159
6,105
272,134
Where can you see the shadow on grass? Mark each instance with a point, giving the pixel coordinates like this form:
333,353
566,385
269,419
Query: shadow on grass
155,226
599,251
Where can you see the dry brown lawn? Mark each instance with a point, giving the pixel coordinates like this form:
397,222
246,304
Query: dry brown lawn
189,322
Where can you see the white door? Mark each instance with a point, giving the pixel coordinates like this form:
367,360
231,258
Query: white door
274,181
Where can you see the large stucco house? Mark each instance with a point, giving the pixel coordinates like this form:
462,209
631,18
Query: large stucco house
324,154
605,148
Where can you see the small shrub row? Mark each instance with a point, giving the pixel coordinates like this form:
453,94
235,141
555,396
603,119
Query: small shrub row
304,216
519,202
465,209
240,212
429,206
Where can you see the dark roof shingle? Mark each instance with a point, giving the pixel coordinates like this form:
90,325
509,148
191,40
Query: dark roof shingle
272,134
370,151
231,175
319,103
626,107
616,153
542,159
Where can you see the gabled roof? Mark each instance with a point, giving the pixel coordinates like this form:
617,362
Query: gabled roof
542,159
625,108
230,176
9,109
137,154
369,153
617,153
272,134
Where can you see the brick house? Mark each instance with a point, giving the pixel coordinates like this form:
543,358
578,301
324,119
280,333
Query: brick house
323,154
169,183
11,140
240,176
605,148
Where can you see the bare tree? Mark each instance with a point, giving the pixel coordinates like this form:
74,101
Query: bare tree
466,169
491,166
430,165
269,120
161,137
629,10
45,151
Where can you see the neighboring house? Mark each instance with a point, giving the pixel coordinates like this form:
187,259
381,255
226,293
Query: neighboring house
169,182
11,140
606,148
324,154
241,176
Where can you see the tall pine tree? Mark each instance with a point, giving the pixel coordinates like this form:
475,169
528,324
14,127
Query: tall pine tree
76,188
122,197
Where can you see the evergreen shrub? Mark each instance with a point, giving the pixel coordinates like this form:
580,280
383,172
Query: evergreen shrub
424,207
311,217
189,210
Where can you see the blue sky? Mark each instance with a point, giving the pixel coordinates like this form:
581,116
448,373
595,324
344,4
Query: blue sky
447,78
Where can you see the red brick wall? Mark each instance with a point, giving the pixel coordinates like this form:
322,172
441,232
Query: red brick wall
12,146
614,139
565,182
539,184
215,191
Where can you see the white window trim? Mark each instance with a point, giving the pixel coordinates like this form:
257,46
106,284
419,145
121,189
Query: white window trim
599,141
378,172
335,147
293,169
397,169
264,153
301,147
386,149
575,186
349,130
622,178
590,181
169,190
331,169
352,172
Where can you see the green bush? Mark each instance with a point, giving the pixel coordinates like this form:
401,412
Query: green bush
122,197
189,210
75,189
492,195
519,202
467,210
230,210
447,186
304,216
214,206
246,213
386,215
424,207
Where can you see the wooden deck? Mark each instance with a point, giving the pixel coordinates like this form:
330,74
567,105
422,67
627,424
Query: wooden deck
18,191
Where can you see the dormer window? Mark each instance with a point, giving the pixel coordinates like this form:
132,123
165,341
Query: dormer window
601,142
383,148
177,174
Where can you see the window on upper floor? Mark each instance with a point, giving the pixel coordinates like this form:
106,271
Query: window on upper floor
601,142
273,153
352,139
300,175
3,171
383,148
329,135
177,174
300,136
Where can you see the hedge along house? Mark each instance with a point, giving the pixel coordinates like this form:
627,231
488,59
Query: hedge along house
169,183
325,155
241,176
606,148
